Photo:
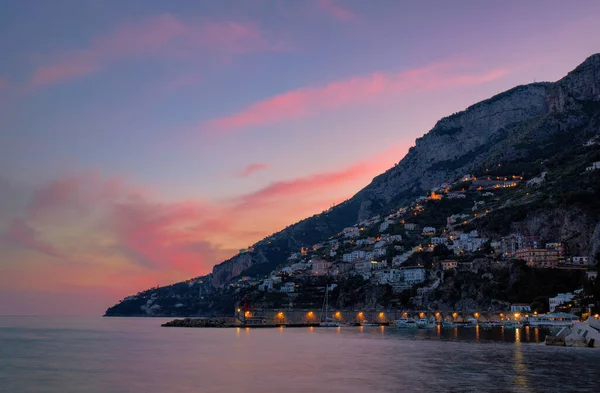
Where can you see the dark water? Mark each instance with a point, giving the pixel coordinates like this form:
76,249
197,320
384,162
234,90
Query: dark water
107,355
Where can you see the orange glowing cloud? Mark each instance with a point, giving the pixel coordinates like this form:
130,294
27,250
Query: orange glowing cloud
309,100
23,234
163,35
106,232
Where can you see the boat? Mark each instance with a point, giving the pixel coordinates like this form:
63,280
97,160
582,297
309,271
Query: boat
330,324
424,323
365,323
487,325
324,321
471,322
553,320
406,323
448,325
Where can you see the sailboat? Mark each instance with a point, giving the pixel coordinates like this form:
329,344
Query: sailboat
324,320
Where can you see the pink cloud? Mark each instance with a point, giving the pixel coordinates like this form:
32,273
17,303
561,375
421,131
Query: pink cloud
335,10
163,36
23,234
323,183
309,100
3,83
251,169
128,232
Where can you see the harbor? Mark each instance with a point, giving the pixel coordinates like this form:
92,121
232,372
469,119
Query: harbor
552,324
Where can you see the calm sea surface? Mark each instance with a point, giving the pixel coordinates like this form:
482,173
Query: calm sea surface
110,355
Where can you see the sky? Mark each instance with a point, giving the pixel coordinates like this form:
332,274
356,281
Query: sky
142,141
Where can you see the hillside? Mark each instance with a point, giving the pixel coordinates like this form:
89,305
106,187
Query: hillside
524,131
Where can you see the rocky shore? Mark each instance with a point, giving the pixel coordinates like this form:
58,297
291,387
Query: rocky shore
200,323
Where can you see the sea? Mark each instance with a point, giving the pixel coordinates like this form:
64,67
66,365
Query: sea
137,355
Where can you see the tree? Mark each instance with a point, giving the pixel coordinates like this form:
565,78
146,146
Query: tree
442,251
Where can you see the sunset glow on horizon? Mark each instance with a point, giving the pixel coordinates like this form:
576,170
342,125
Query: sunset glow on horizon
144,142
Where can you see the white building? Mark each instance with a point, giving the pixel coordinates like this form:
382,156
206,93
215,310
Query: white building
453,219
520,307
410,227
266,285
400,259
351,232
456,195
560,299
384,226
428,230
299,266
580,261
413,275
438,240
595,165
388,276
288,287
380,244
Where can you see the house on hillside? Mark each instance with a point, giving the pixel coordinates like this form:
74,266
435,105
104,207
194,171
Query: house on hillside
288,287
520,307
449,264
593,167
428,231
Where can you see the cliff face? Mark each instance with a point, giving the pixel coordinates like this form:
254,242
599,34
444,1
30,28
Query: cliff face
455,136
581,84
513,125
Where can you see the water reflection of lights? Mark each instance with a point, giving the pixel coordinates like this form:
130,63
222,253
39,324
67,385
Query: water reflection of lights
519,365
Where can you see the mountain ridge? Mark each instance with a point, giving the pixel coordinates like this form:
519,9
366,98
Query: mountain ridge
495,129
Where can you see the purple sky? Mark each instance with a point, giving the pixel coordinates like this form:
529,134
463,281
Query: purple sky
144,141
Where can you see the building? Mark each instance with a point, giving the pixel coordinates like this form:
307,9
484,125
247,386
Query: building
413,275
388,276
320,267
591,275
351,232
520,307
453,219
456,195
579,261
438,240
354,256
266,285
428,231
288,287
410,227
540,257
511,243
380,244
595,165
559,299
449,264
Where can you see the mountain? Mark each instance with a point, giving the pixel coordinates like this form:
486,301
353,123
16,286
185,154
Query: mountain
522,126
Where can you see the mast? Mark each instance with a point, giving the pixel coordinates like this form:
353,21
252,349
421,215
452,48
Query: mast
325,305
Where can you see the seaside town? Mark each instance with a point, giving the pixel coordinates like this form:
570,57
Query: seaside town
411,254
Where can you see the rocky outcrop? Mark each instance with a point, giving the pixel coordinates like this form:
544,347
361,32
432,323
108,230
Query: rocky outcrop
581,84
